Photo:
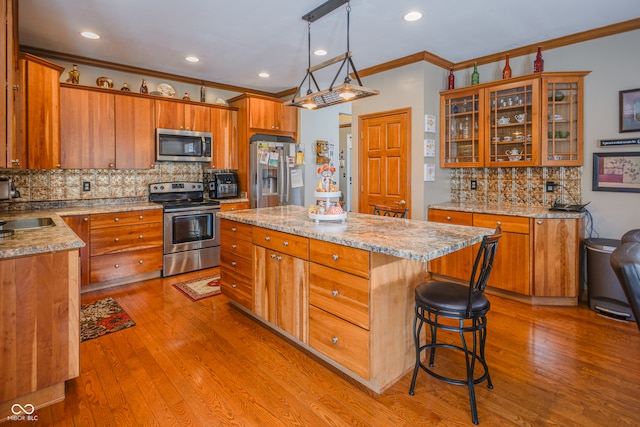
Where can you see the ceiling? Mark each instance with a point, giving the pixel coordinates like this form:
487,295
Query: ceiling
237,39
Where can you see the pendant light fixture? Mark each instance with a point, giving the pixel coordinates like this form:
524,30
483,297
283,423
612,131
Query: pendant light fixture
344,92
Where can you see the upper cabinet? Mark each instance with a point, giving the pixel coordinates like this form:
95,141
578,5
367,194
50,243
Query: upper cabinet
224,126
135,132
534,120
180,115
37,109
266,115
8,73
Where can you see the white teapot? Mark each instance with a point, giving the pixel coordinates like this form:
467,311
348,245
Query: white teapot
503,120
514,152
520,117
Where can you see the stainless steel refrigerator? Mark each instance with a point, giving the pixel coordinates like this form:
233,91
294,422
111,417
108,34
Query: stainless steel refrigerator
276,171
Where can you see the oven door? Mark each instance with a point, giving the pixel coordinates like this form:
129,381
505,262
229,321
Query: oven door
191,229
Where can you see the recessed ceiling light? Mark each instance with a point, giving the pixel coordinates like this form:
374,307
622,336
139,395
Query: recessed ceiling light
192,59
320,52
412,16
263,75
90,35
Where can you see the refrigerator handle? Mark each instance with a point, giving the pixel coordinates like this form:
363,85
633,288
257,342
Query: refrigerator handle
281,181
288,184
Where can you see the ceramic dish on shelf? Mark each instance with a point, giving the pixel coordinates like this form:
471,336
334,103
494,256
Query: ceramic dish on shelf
166,90
104,82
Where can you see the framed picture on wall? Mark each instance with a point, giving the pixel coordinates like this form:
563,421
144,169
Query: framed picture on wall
630,110
616,172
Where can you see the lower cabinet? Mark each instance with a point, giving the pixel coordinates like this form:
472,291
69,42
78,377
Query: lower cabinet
234,206
236,262
537,257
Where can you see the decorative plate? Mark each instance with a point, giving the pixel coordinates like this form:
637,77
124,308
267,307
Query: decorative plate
104,82
166,90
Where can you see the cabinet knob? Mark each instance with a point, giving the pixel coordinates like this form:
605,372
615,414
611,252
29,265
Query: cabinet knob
285,243
116,219
273,256
85,219
267,238
58,166
233,263
499,222
15,162
233,209
111,165
141,217
140,261
233,285
117,239
448,218
140,236
334,257
539,222
117,266
233,246
334,340
334,292
278,258
233,229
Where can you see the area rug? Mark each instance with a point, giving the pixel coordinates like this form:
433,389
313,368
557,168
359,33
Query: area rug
102,317
200,288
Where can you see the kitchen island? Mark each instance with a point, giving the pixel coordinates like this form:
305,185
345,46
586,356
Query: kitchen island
342,291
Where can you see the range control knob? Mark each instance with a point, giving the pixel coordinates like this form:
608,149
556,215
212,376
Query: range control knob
162,187
155,187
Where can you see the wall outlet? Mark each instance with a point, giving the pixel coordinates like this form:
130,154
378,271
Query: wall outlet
474,184
550,186
86,186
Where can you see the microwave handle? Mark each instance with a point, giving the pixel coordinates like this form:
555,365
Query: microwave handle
204,146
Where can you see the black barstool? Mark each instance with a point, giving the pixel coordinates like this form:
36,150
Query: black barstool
467,306
397,212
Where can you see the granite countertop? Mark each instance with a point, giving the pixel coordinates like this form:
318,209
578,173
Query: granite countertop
404,238
524,211
59,237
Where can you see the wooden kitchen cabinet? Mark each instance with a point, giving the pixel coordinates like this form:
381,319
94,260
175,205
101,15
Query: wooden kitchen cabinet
457,264
532,120
37,142
81,225
234,206
8,74
125,244
271,115
87,130
281,280
134,132
224,126
182,115
236,262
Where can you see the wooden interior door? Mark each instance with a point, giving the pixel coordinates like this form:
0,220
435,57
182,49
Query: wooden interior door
385,147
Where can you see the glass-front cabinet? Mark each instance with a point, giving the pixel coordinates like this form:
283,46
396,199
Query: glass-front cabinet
461,124
534,120
512,134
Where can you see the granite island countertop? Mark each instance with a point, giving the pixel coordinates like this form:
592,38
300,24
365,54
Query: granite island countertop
498,209
59,237
404,238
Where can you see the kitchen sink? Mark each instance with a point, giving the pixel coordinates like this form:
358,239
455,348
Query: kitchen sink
26,223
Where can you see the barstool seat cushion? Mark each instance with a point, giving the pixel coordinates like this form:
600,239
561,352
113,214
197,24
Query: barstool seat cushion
631,236
450,298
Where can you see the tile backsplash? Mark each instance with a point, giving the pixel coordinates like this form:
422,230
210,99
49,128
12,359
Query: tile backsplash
67,184
517,186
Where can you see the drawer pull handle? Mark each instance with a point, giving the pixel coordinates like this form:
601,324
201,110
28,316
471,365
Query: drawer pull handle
117,219
233,246
334,292
267,238
273,256
448,218
140,236
334,257
233,229
233,263
117,266
285,243
140,261
117,239
233,285
334,340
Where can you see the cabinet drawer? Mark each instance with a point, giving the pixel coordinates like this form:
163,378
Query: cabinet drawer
286,243
233,229
125,218
241,248
339,293
451,217
118,239
344,258
115,266
343,342
234,206
240,265
236,287
512,224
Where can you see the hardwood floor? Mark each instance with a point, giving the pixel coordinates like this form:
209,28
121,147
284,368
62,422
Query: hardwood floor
205,363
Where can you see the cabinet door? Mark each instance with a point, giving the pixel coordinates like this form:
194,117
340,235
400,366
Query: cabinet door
87,129
170,115
262,114
556,257
81,225
513,124
134,133
288,118
224,126
511,267
197,118
461,123
457,264
264,285
562,121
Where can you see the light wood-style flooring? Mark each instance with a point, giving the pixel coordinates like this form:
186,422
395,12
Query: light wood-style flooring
205,363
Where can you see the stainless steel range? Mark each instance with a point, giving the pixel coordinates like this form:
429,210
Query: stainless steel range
191,228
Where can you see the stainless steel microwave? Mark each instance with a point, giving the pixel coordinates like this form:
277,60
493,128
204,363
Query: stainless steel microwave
175,145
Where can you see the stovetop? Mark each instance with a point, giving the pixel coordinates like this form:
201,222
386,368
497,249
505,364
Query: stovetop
179,195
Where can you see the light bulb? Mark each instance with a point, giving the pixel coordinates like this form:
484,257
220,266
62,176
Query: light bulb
347,94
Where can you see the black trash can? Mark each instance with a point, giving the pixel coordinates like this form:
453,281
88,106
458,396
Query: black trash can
606,296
